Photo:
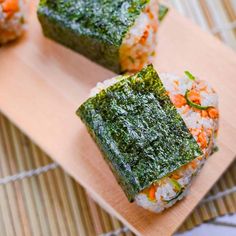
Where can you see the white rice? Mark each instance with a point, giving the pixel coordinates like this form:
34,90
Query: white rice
138,47
12,26
165,193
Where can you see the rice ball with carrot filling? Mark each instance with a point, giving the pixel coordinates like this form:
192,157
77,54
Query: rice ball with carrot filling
196,102
12,19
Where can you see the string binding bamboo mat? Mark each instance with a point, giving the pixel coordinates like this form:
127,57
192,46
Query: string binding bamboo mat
39,198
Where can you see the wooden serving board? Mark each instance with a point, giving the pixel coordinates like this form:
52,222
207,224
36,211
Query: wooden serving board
43,83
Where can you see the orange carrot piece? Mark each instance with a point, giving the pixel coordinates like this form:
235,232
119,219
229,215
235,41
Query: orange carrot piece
152,192
176,82
144,37
175,176
193,164
194,96
209,132
179,100
213,113
10,6
167,93
204,113
199,158
196,110
202,140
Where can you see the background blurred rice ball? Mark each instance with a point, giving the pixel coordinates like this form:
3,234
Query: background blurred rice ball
12,19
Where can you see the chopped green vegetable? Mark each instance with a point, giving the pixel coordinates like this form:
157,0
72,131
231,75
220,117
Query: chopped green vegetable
177,195
178,188
190,76
139,131
193,104
176,185
162,12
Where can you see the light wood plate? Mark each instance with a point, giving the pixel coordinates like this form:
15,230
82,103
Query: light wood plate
43,83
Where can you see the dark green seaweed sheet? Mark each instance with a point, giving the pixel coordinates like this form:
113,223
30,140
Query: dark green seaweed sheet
94,28
139,131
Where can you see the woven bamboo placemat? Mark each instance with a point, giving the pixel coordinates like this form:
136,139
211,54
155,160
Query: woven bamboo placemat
38,198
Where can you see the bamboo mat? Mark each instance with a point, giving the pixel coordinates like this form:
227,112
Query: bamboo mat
38,198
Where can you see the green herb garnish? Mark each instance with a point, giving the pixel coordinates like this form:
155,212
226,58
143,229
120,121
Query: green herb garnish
176,185
189,75
162,12
178,194
193,104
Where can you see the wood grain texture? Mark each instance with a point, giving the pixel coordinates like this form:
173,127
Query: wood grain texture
42,84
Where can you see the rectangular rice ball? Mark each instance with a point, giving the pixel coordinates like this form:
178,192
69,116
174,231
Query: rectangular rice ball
139,131
120,35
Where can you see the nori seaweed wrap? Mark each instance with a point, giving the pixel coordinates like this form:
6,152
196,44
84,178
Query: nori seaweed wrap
120,35
139,131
